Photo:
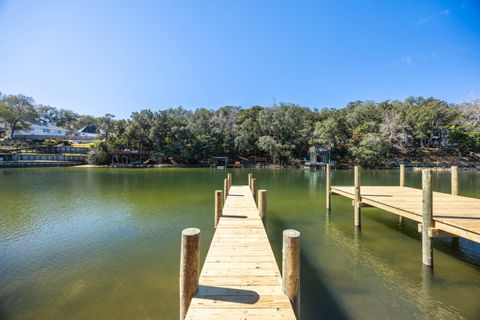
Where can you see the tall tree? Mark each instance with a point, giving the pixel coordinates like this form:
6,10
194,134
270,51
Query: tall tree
47,114
107,125
17,112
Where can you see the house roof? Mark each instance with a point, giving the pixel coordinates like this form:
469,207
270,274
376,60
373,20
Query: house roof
91,128
44,125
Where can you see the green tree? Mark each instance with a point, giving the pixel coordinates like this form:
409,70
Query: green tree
67,119
372,150
106,125
248,131
17,112
47,114
429,118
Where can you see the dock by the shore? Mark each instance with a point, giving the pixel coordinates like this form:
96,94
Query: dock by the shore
240,278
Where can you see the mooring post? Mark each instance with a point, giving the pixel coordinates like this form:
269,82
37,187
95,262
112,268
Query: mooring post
189,268
328,188
291,268
402,184
358,198
454,176
229,178
427,218
262,205
254,188
402,175
250,177
218,205
225,189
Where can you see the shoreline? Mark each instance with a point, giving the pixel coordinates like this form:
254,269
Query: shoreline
465,167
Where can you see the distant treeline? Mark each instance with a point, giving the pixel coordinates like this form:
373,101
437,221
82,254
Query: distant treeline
364,132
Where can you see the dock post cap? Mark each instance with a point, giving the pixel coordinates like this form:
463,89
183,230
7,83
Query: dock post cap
190,231
291,233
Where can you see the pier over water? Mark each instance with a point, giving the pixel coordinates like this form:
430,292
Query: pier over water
240,278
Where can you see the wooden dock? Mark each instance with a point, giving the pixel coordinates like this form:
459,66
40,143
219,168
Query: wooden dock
240,278
455,215
439,214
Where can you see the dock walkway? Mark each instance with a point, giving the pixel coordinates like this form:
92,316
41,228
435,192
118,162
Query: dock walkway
240,278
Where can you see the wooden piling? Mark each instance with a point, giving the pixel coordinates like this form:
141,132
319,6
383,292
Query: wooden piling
427,218
189,268
402,175
250,177
225,189
358,198
262,205
328,188
291,268
454,177
230,181
218,206
254,188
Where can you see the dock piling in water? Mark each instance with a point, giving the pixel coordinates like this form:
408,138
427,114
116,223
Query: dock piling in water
250,177
402,184
291,268
189,268
454,178
229,178
402,175
225,189
358,199
328,187
254,189
427,218
262,205
218,205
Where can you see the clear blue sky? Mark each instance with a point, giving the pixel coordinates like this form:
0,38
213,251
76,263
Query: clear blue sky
120,56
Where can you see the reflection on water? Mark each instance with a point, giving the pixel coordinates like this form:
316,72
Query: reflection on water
104,244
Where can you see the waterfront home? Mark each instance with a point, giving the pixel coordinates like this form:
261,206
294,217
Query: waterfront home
87,133
41,130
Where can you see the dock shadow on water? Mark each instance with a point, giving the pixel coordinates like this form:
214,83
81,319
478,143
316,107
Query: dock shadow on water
317,301
227,294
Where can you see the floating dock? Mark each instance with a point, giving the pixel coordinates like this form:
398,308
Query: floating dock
240,278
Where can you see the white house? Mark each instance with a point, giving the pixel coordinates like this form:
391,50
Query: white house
87,133
40,130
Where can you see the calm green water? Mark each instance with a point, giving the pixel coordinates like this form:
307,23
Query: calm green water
79,243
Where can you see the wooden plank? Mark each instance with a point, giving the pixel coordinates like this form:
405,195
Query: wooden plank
240,314
272,290
240,301
240,278
233,258
244,281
